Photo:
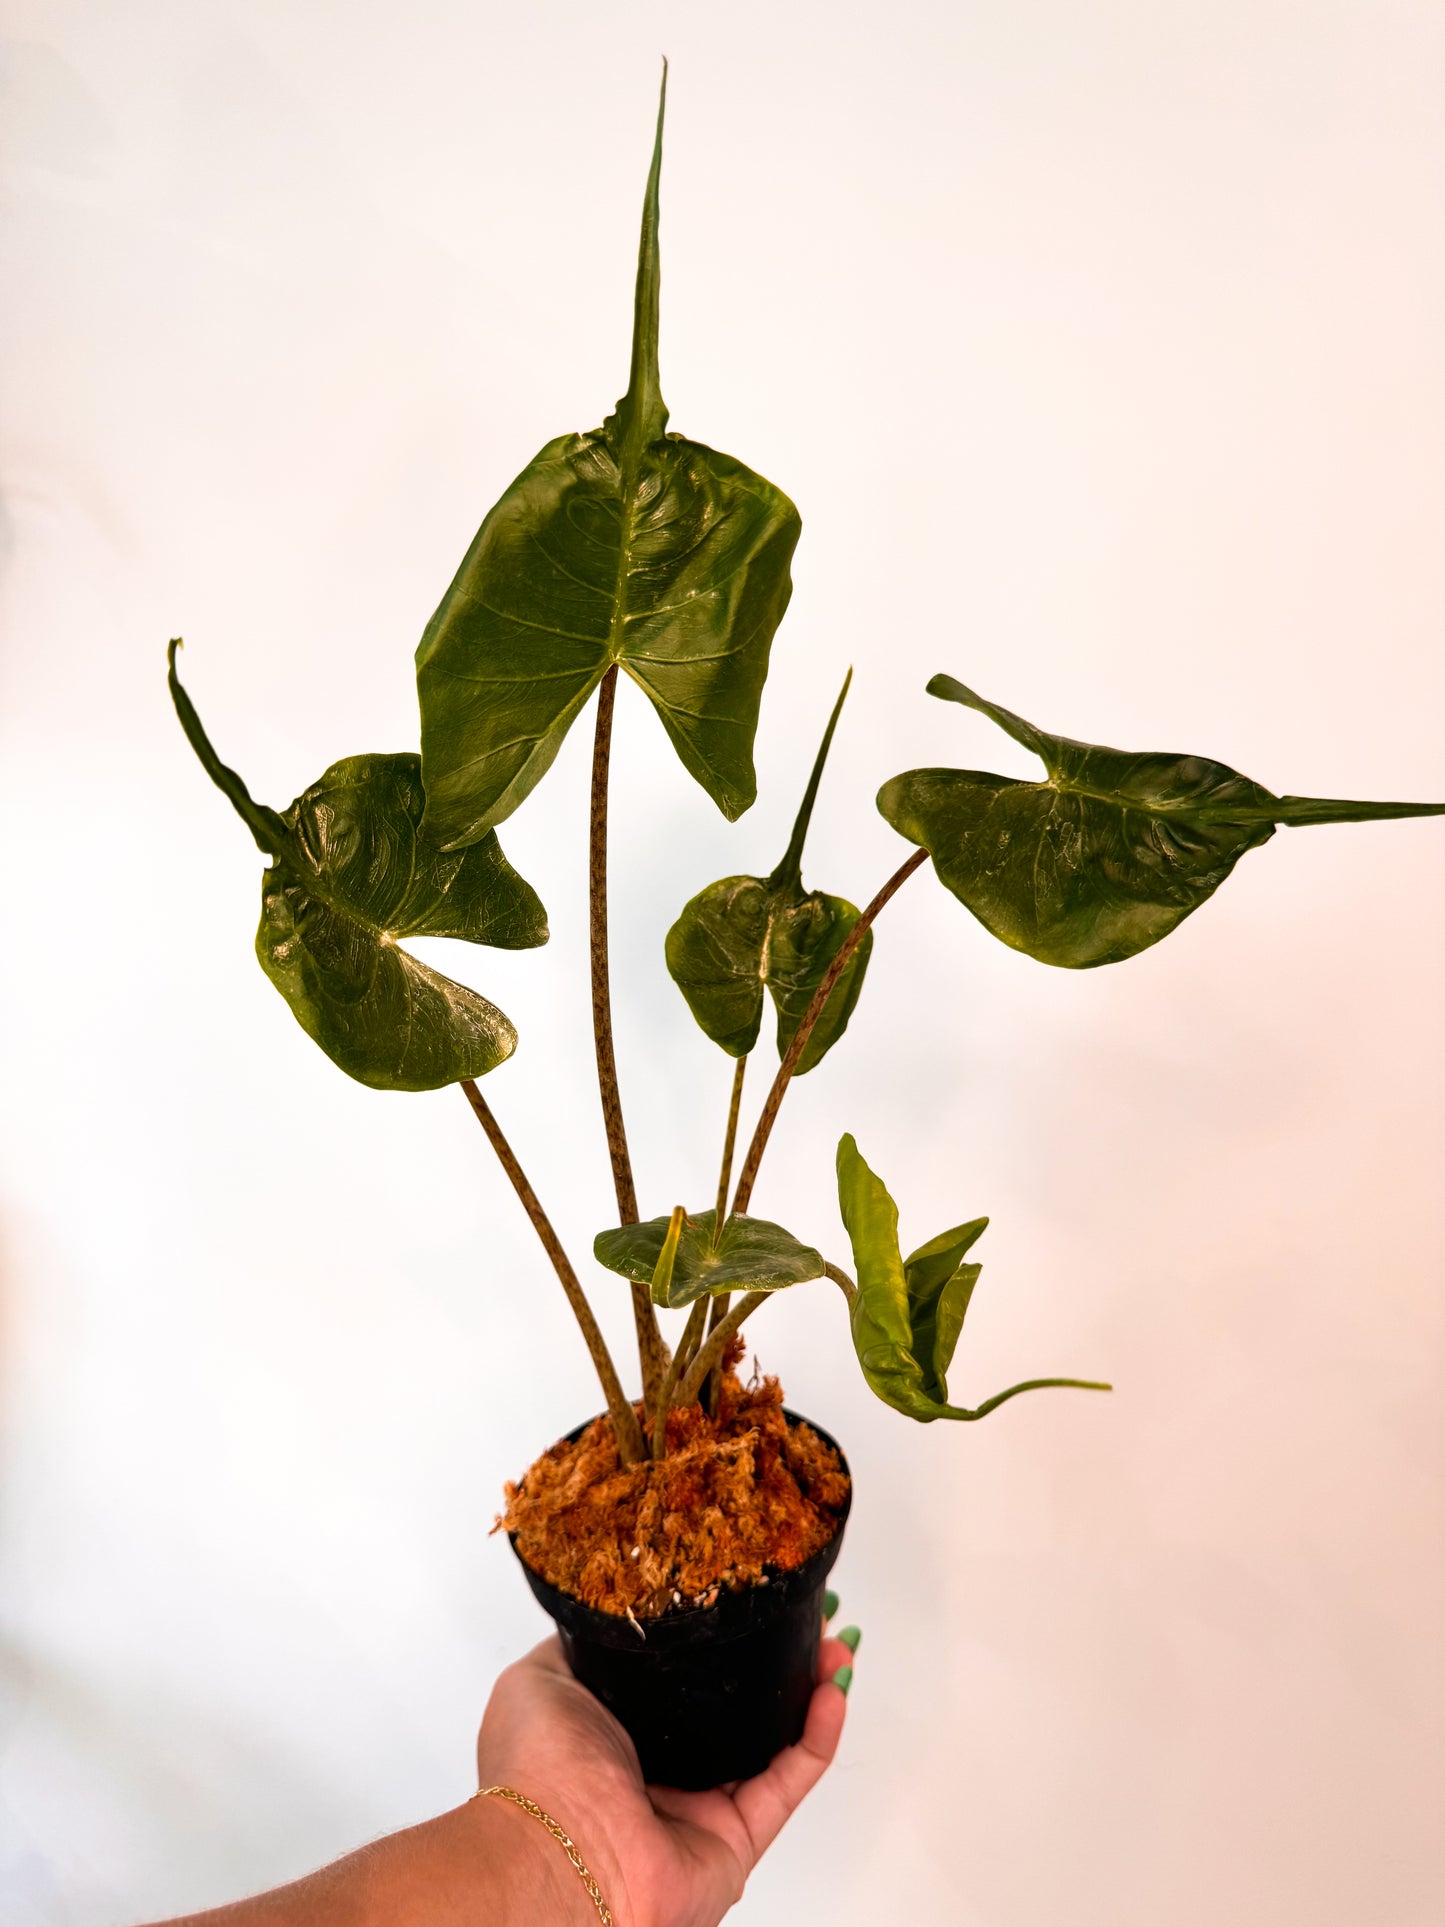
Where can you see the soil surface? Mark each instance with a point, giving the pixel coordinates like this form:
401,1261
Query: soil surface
738,1499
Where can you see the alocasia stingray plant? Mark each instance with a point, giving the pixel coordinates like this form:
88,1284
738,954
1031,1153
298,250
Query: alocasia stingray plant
633,548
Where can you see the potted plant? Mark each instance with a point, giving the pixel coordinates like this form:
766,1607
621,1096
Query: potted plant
681,1538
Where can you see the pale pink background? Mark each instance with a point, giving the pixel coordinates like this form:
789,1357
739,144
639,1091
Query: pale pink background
1101,346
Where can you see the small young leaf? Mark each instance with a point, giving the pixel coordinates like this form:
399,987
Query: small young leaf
351,873
662,1271
939,1287
1108,854
745,932
908,1313
628,546
751,1255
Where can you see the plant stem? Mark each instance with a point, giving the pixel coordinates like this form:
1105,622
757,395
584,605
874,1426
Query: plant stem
712,1351
729,1143
696,1319
601,983
630,1442
720,1300
712,1389
687,1350
842,1281
850,943
649,1339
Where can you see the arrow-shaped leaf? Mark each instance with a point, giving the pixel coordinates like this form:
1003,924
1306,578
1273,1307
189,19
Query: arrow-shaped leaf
628,546
745,932
907,1314
1106,855
352,872
751,1255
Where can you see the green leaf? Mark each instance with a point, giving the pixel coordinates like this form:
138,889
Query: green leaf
628,546
907,1314
751,1255
745,932
1108,854
661,1280
352,872
939,1287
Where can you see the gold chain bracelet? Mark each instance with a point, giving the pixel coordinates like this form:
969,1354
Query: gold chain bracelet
560,1835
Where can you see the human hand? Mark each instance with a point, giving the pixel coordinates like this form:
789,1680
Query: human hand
662,1858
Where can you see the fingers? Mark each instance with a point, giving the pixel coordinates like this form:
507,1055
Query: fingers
765,1803
832,1653
848,1639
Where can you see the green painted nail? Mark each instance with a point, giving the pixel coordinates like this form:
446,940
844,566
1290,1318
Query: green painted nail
843,1678
850,1636
830,1604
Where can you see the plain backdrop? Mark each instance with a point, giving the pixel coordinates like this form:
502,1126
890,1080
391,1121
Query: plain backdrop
1100,346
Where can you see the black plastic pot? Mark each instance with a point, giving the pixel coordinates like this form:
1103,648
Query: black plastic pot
707,1693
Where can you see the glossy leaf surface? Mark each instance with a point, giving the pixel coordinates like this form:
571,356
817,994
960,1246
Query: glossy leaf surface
908,1313
751,1255
1105,856
627,545
351,874
745,933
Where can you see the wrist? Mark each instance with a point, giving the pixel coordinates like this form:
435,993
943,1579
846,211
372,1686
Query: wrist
528,1876
479,1862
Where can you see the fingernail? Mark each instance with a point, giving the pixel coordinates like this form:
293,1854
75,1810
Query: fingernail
843,1678
830,1604
850,1636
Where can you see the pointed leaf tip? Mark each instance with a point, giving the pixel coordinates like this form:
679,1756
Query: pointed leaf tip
265,825
641,415
792,864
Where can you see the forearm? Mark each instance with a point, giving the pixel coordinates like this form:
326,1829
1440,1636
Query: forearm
483,1862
